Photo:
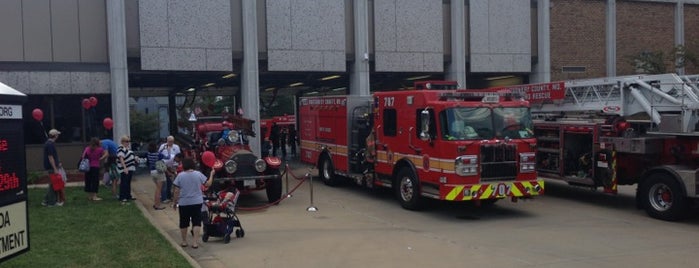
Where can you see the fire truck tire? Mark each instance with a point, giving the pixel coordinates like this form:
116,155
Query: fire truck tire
407,189
661,196
274,187
327,172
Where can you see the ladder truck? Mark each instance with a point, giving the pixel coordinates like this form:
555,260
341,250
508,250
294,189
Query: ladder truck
640,129
433,142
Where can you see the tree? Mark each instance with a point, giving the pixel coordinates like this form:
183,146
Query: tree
144,127
684,57
655,62
648,62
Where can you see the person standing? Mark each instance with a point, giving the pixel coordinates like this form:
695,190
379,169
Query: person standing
112,176
274,136
189,199
126,166
95,154
169,150
158,175
292,140
282,142
52,164
266,146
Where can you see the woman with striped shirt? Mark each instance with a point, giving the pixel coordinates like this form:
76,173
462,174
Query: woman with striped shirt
126,166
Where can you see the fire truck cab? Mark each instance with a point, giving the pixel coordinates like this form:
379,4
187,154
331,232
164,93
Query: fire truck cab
445,144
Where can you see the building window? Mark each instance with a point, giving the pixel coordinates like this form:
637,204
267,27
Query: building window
66,113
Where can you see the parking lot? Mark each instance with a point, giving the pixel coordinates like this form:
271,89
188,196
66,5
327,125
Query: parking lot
567,227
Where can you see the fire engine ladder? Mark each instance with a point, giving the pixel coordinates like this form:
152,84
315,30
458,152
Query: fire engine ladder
660,97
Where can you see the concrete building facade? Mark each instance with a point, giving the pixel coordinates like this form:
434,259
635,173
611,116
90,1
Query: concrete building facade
59,52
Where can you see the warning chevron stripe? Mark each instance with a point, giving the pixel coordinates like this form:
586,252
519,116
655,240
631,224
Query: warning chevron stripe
487,191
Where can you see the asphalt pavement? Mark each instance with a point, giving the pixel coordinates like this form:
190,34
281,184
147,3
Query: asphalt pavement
566,227
253,211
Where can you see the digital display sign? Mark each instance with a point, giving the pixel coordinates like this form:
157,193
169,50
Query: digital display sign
14,228
12,169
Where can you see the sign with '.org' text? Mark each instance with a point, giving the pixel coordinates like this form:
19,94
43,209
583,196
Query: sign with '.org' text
14,217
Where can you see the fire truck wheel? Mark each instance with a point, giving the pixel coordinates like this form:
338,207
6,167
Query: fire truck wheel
408,190
274,187
327,172
662,198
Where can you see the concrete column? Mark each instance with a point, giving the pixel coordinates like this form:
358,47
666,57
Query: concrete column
249,76
542,69
611,37
119,78
679,28
359,75
456,70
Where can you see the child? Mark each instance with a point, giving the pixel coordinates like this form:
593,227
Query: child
112,175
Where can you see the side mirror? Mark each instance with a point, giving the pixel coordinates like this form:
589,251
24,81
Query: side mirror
425,125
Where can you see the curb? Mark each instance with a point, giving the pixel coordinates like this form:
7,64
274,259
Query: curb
162,232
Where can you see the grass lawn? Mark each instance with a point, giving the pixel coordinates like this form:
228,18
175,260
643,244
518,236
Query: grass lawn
84,233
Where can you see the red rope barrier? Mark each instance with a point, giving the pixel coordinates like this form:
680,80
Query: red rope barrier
285,173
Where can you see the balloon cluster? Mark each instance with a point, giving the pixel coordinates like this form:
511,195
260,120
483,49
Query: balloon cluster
89,102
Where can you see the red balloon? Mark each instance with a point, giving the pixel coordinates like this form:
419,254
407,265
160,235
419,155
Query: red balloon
38,114
208,158
86,103
108,123
93,101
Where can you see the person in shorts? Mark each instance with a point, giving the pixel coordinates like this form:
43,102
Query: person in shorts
188,199
156,165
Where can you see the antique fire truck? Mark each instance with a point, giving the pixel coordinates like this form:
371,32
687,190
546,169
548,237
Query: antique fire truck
235,163
435,142
612,131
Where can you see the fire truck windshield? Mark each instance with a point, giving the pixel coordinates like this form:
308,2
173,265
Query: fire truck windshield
513,122
468,123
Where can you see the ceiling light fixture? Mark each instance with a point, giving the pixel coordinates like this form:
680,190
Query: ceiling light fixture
330,77
417,77
230,75
499,77
270,89
191,89
209,85
311,93
339,89
296,84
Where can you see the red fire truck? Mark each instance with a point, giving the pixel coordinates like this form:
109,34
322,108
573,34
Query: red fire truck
284,121
626,130
236,164
433,142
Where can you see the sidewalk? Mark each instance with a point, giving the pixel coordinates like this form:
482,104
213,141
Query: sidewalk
208,255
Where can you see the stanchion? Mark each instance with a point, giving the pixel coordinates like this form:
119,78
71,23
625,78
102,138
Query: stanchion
288,170
311,208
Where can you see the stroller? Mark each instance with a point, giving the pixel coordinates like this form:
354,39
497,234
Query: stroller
219,216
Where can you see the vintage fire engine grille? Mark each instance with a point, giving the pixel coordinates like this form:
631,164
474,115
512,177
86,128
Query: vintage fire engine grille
498,162
246,164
